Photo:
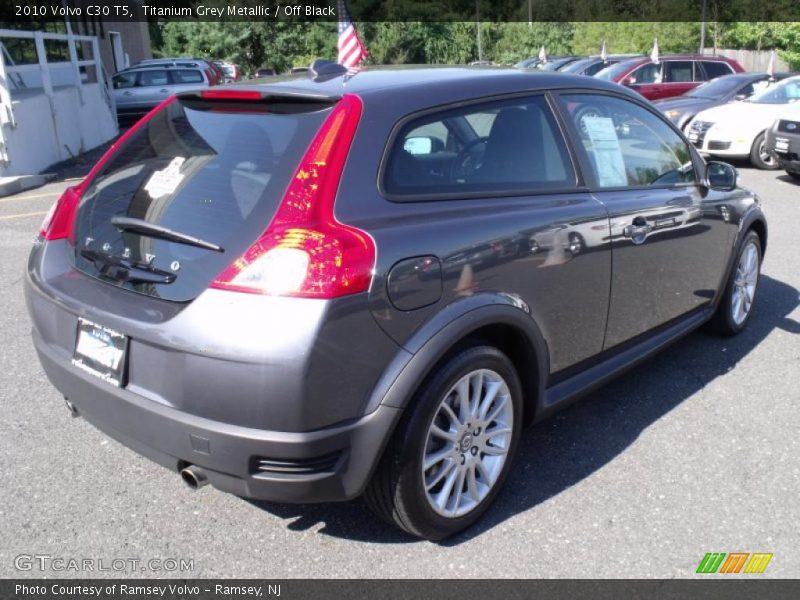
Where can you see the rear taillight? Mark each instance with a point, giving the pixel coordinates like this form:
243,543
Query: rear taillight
59,222
305,251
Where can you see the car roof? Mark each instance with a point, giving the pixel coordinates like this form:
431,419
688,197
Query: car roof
440,84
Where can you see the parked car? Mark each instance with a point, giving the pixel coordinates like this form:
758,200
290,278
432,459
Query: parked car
297,70
719,91
215,75
230,71
591,65
672,76
557,63
263,72
783,141
537,63
137,91
738,130
234,293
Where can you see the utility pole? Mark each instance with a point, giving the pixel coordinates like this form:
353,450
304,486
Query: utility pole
478,28
703,29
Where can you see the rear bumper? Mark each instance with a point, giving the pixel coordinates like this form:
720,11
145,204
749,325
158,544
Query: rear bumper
230,454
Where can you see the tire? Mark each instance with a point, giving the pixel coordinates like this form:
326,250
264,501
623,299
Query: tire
397,492
794,175
727,321
759,155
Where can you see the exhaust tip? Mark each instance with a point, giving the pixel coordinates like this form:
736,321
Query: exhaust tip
73,410
194,477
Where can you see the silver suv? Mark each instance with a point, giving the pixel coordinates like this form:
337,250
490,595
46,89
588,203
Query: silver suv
138,90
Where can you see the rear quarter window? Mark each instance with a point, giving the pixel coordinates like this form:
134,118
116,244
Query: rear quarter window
182,77
502,147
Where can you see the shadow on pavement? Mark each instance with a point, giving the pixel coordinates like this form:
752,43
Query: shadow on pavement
558,453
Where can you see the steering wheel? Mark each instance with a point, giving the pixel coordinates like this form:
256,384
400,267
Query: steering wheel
467,158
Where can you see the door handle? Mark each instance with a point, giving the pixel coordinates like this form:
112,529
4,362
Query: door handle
127,93
638,231
163,90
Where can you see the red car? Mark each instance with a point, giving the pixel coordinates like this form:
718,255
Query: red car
673,75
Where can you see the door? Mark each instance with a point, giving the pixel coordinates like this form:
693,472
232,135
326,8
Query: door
154,87
125,90
647,80
186,80
680,76
117,51
669,239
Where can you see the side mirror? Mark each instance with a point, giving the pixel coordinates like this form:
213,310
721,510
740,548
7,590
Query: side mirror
418,145
720,176
629,80
740,97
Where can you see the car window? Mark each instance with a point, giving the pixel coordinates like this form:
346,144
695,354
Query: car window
626,144
785,92
649,73
678,71
186,76
154,77
124,80
494,148
716,68
591,70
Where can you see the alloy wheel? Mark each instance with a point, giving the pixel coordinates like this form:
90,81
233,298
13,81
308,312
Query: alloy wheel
744,285
467,443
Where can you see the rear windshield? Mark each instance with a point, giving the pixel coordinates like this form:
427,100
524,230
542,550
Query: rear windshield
214,172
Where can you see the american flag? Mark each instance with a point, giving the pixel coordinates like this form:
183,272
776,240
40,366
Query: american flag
351,49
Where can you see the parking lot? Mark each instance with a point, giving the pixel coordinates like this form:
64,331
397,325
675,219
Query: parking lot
694,452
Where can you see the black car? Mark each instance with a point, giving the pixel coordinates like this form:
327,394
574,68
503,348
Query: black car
783,142
716,92
557,63
370,283
591,65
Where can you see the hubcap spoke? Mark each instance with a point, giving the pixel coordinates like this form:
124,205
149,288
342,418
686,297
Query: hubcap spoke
446,468
744,286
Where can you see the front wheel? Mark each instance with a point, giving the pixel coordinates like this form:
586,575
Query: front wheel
451,453
737,303
760,156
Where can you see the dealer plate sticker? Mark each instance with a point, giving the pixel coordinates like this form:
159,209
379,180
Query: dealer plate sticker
100,351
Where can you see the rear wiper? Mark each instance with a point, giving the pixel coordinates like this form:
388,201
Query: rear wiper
157,231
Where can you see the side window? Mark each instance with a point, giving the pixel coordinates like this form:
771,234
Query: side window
150,77
716,69
124,80
649,73
186,76
595,68
495,147
626,144
678,71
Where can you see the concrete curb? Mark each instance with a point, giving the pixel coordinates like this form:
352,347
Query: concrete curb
20,183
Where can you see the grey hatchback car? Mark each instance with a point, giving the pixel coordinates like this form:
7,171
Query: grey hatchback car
342,284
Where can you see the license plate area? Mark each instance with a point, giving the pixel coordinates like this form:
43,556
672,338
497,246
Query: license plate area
781,145
100,351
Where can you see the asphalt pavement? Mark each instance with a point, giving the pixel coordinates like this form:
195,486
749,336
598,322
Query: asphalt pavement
696,451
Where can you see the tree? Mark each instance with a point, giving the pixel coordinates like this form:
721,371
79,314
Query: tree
636,37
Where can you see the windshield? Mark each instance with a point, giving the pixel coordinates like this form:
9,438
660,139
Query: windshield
716,89
784,92
614,71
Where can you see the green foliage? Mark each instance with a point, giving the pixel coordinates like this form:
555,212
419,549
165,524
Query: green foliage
784,37
632,37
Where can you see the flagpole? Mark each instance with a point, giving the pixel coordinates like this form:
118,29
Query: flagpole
703,29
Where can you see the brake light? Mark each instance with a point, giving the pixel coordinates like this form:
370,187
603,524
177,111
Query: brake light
60,219
305,251
228,94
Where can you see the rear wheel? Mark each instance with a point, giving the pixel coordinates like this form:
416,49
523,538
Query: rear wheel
451,454
760,156
737,304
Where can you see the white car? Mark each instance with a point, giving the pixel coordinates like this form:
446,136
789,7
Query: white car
738,130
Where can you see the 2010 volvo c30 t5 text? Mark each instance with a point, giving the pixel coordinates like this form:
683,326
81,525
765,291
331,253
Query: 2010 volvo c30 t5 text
341,284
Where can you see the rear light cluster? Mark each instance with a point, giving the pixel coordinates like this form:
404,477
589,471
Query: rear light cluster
305,251
59,223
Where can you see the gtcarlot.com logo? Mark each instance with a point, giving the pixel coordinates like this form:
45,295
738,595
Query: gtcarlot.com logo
734,562
45,562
